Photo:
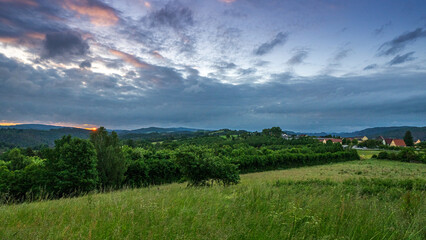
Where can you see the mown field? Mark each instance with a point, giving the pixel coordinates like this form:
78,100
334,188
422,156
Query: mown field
367,199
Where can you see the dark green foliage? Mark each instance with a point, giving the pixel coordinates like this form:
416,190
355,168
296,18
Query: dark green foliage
72,170
200,166
370,143
148,167
408,139
30,182
35,138
111,163
73,166
407,155
404,155
383,155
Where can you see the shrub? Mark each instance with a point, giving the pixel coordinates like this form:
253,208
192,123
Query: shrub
407,155
200,167
383,155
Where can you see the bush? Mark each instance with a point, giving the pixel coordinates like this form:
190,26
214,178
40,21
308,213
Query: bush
407,155
383,155
200,167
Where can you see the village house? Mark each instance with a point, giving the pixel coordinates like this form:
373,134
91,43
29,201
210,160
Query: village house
397,143
393,142
417,142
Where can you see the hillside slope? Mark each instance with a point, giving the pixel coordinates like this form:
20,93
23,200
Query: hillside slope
33,137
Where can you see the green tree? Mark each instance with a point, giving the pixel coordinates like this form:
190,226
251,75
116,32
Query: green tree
72,167
17,159
276,131
408,139
111,161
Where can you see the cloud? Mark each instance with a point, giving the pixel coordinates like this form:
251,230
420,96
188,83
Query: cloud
340,55
27,22
98,12
62,45
173,15
381,29
86,64
298,57
279,39
397,44
129,59
24,2
227,1
164,97
398,59
371,66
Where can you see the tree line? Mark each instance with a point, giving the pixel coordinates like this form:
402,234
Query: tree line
75,166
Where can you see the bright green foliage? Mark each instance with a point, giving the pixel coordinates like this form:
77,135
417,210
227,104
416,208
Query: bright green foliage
17,159
111,161
408,139
73,169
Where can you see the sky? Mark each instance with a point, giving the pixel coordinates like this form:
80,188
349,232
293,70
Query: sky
305,65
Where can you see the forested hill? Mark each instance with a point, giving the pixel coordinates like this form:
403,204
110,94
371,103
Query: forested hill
34,137
389,132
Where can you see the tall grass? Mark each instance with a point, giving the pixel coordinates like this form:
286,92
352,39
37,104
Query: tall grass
288,204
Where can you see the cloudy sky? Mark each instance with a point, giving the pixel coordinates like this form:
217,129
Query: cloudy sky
305,65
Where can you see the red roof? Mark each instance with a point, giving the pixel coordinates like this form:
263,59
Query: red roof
399,142
388,141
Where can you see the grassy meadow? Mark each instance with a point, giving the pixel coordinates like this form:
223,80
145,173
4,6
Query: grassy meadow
367,199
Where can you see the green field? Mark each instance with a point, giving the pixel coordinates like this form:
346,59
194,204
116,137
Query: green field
368,199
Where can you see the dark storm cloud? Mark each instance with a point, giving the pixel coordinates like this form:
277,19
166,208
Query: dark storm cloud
173,15
398,59
86,64
298,57
64,45
279,39
164,97
21,19
397,44
371,66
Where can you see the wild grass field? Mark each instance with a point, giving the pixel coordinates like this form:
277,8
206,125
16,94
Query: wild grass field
367,199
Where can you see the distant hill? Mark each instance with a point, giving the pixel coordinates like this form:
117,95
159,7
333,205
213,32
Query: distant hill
34,137
157,130
32,126
390,132
387,132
